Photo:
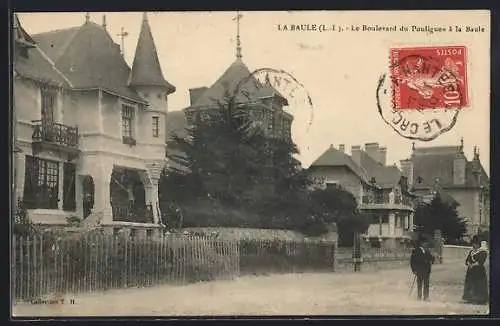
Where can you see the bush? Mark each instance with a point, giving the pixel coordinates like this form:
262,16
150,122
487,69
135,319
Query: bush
22,225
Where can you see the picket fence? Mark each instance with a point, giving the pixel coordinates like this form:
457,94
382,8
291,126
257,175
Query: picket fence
49,265
43,265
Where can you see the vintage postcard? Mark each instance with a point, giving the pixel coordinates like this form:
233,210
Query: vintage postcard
250,163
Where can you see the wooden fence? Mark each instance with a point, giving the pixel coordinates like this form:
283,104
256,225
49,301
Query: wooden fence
288,256
44,264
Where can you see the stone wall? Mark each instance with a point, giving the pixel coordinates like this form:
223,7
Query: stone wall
453,253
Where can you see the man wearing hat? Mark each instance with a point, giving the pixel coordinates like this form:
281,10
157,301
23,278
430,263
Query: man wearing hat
420,262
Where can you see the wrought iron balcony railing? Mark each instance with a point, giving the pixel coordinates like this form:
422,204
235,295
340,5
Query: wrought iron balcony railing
55,133
132,213
370,199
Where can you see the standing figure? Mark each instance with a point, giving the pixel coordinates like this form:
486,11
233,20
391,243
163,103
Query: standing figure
420,262
476,281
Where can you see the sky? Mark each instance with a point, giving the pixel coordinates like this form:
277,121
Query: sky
339,71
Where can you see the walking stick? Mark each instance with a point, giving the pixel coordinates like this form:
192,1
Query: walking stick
412,284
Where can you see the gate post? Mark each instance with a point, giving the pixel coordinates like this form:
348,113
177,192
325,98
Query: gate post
438,245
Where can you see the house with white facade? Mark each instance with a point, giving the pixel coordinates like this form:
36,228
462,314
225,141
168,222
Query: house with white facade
380,190
89,129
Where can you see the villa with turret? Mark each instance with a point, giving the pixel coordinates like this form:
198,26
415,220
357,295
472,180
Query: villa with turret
89,129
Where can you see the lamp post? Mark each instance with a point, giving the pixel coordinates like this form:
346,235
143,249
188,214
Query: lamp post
356,253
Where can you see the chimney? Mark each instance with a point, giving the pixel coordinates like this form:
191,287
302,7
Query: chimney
372,150
342,148
407,169
356,154
195,93
383,155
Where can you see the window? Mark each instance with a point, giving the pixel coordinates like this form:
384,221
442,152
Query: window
406,223
41,189
156,126
127,122
331,184
49,96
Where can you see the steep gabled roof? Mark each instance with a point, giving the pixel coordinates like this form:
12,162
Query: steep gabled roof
334,157
89,58
20,35
146,69
437,162
54,43
36,66
385,176
237,81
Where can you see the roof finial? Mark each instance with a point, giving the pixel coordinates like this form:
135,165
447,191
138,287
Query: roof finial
87,17
144,16
413,146
122,35
461,143
238,42
104,21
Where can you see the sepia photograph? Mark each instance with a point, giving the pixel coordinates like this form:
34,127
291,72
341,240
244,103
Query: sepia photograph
250,163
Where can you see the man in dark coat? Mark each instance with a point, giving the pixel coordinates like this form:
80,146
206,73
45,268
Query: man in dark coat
421,261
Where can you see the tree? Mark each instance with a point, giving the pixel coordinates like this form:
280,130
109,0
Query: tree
226,163
337,205
348,227
231,174
440,215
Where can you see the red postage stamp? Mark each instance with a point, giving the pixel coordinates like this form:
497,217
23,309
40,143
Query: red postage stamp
429,77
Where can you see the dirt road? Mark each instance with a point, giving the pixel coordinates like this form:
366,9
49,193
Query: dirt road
366,293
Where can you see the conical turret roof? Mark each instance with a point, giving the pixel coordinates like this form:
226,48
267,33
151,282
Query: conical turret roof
146,70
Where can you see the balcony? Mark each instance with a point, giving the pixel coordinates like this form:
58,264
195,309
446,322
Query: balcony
54,136
132,213
370,199
371,202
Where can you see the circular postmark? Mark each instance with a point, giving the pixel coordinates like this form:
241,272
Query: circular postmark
283,93
424,94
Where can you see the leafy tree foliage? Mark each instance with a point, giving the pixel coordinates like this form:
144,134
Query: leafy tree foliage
228,173
440,215
22,225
